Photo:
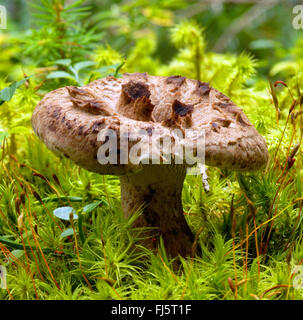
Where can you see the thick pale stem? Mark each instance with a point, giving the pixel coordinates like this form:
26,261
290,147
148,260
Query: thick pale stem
158,188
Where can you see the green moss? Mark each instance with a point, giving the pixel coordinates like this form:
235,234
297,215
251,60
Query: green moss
249,225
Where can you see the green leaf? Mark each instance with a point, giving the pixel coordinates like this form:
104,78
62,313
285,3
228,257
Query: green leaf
82,65
63,198
67,233
262,44
64,62
64,213
39,8
7,93
92,206
117,74
20,246
59,74
74,5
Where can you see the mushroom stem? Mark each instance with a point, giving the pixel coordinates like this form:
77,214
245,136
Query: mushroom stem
157,190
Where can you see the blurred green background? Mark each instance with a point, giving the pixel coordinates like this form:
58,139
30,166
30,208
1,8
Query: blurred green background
262,27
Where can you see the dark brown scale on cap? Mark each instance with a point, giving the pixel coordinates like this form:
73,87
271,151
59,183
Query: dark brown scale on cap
218,123
76,92
93,107
134,102
223,122
180,116
86,101
203,88
56,113
181,109
176,80
221,96
234,110
135,90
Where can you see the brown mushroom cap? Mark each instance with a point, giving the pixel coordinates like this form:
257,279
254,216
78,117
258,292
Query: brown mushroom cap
69,119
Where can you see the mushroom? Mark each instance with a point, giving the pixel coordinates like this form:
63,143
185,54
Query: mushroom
81,124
